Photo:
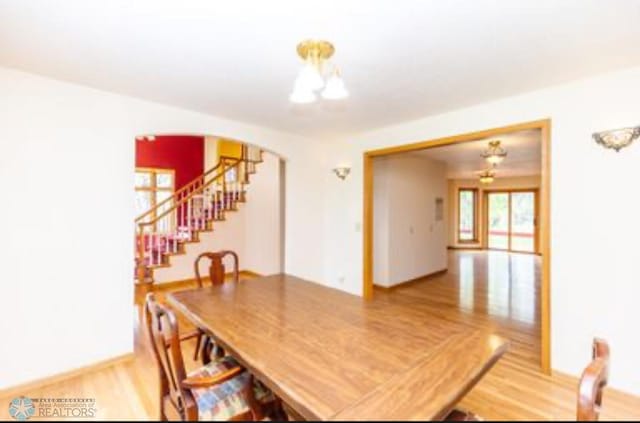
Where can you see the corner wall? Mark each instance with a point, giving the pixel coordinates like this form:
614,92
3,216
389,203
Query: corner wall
411,243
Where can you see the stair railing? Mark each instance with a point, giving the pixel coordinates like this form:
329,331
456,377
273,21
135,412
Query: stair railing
188,210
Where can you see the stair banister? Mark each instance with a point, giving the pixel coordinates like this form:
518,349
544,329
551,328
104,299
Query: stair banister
182,198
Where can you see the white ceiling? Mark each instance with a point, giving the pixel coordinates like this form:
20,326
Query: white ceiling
400,59
464,160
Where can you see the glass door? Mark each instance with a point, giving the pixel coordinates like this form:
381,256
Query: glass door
511,221
498,220
523,221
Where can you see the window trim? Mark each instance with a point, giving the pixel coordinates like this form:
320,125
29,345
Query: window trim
154,188
475,239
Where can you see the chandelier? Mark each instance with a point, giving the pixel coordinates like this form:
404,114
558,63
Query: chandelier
317,74
487,176
495,154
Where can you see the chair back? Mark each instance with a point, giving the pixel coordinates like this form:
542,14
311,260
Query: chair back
592,383
216,267
162,328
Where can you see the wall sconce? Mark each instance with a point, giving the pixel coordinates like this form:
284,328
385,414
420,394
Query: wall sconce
617,138
342,172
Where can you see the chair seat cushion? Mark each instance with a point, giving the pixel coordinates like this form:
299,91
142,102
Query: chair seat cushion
224,401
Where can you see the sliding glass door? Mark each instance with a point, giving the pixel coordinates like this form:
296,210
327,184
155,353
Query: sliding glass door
511,220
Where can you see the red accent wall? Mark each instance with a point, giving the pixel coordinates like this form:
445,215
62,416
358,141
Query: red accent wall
182,153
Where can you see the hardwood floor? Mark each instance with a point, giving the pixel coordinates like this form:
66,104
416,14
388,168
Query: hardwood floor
499,291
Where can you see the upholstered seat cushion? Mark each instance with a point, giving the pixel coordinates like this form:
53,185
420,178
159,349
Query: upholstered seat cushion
224,401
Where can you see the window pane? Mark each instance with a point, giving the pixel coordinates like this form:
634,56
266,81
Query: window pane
164,180
143,201
523,221
466,228
143,179
499,220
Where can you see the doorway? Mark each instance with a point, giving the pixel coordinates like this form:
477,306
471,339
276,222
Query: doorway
543,206
512,220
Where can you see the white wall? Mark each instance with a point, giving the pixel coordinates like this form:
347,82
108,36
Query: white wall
595,277
263,226
66,172
411,243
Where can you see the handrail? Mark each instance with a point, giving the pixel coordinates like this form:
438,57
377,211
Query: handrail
180,191
188,197
191,184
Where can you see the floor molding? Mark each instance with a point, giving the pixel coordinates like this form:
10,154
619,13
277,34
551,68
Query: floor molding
162,286
411,281
24,388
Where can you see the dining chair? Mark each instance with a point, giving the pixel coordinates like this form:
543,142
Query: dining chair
221,390
590,389
216,277
593,381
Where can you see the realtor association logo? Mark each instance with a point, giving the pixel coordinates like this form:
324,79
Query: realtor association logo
21,408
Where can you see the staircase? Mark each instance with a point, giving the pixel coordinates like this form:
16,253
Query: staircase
165,229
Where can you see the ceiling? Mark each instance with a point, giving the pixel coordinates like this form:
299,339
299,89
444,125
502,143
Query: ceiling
400,59
464,160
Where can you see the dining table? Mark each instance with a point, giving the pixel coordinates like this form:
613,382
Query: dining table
331,355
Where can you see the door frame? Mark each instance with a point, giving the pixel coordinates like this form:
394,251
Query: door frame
544,228
536,216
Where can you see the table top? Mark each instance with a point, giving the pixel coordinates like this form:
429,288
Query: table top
329,354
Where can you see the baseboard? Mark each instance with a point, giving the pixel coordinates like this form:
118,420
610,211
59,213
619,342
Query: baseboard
411,281
462,247
24,388
185,282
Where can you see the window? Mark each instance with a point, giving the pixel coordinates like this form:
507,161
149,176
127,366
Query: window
152,187
468,215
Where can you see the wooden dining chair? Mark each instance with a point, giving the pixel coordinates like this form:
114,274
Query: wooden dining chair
593,381
221,390
216,277
216,267
590,389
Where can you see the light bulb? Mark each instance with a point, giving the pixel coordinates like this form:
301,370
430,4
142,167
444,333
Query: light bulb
309,77
494,160
335,90
302,96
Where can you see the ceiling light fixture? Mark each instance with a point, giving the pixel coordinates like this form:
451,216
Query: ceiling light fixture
311,77
487,176
617,138
495,154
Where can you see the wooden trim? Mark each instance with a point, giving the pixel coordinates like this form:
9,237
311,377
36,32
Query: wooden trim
36,384
476,219
545,247
464,247
411,281
367,233
545,226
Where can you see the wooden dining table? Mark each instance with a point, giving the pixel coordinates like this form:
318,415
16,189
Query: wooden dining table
330,355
